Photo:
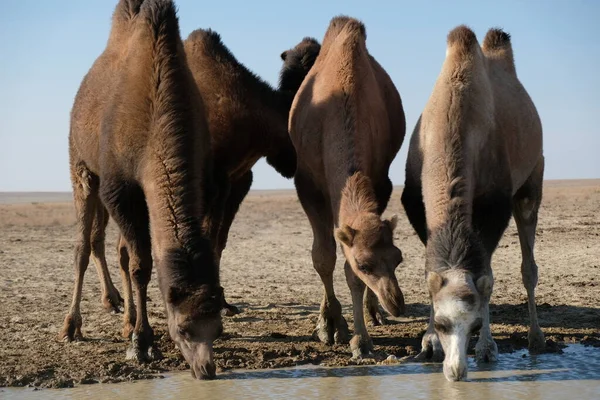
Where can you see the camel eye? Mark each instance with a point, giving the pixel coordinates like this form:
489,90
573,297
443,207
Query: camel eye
182,332
441,328
364,268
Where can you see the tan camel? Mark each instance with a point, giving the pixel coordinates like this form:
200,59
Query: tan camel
139,147
475,156
347,124
247,120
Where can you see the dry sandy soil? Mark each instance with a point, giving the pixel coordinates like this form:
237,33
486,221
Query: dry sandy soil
267,271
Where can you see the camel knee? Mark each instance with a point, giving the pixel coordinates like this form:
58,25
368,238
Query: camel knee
529,272
140,271
83,250
324,257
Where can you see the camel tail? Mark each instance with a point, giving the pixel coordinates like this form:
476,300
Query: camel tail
496,39
462,38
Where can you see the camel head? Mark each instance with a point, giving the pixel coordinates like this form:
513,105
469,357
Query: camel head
297,62
457,301
194,321
369,248
460,284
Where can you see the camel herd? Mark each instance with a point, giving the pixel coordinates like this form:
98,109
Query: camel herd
164,134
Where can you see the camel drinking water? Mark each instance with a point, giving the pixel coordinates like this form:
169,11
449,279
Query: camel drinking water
475,156
347,124
140,150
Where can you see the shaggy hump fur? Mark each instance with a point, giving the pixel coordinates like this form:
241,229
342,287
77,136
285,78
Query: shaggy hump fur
463,37
496,38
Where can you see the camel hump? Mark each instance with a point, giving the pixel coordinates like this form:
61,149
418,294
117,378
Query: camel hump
496,39
205,36
128,9
462,37
343,22
161,16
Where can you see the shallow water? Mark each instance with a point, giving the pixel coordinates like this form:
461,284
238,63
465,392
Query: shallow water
572,375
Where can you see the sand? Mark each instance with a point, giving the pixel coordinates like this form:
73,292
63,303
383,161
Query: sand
267,271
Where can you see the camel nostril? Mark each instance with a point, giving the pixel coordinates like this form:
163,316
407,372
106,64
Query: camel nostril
207,371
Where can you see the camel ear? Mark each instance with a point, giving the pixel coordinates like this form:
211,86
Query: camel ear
484,285
393,222
434,282
345,235
284,55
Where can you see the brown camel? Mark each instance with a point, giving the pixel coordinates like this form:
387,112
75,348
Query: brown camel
347,124
475,156
140,149
247,120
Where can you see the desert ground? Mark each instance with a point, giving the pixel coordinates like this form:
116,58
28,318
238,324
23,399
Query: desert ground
267,272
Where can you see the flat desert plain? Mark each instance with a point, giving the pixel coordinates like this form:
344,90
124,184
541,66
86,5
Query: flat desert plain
267,272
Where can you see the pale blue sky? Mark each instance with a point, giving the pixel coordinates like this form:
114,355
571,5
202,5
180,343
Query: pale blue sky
46,47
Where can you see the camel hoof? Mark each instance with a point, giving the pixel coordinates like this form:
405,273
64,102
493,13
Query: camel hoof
330,332
486,351
361,348
376,316
71,331
431,349
141,352
537,342
112,302
229,311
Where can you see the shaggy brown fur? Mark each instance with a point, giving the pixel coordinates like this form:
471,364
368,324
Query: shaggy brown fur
139,146
347,124
475,156
247,120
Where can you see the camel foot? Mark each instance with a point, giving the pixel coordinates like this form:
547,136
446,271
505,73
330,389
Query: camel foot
330,331
71,330
229,311
537,342
431,348
486,350
142,349
361,347
375,315
112,301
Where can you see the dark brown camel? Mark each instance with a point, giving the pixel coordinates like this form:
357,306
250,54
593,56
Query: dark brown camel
140,149
347,124
475,156
247,120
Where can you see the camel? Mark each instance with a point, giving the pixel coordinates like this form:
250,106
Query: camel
475,156
347,124
140,151
247,120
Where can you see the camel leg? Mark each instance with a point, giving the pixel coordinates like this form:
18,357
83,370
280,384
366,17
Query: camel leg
491,215
85,199
431,347
526,204
238,191
129,316
361,343
331,327
374,313
111,299
127,205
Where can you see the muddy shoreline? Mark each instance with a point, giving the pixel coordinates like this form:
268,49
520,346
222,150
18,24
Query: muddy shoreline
267,271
